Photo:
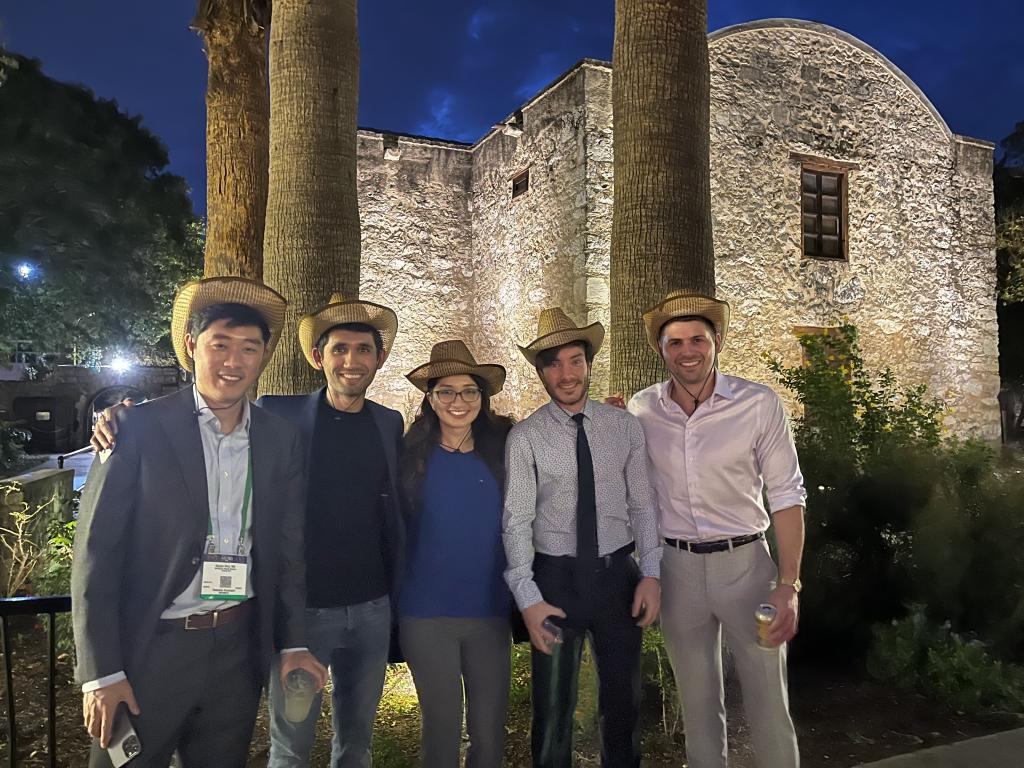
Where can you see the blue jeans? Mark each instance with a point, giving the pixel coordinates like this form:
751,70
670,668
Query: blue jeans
353,641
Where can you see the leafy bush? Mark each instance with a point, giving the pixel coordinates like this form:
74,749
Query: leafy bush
53,575
917,654
897,515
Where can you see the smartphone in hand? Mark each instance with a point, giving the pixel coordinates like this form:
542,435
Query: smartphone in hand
124,742
553,628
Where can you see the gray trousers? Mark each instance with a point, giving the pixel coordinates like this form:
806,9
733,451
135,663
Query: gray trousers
702,596
446,655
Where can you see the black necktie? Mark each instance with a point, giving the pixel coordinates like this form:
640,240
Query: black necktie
586,512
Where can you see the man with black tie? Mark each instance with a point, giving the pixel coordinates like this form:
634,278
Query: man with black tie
188,573
577,505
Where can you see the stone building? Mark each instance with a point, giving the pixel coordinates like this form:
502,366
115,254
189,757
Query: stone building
838,192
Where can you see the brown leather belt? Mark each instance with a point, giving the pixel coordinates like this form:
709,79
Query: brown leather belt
212,619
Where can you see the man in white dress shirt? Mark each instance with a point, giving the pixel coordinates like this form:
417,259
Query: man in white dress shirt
719,446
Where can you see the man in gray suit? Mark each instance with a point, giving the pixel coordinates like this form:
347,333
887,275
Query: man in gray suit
188,573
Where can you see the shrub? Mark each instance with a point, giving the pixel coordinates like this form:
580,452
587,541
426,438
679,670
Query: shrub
916,654
897,515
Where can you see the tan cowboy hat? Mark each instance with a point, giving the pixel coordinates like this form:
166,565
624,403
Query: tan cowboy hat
554,328
683,304
340,310
450,358
200,294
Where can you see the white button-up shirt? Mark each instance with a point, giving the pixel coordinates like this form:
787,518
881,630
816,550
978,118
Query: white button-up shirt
713,470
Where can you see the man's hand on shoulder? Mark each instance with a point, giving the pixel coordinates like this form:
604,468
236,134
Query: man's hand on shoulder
617,400
787,603
99,708
533,617
104,434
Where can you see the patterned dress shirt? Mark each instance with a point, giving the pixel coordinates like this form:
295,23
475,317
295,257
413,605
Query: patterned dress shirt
712,469
541,489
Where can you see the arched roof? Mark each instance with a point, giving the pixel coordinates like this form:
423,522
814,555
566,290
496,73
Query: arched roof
836,34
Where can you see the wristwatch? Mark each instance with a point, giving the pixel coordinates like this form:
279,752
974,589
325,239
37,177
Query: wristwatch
795,584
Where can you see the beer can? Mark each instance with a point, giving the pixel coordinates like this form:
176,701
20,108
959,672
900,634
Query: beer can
765,615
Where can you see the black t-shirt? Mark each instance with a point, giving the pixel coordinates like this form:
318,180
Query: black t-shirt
345,538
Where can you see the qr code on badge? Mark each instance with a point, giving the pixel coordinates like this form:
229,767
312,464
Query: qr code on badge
225,582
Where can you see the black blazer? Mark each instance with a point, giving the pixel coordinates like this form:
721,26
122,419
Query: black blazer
142,526
301,410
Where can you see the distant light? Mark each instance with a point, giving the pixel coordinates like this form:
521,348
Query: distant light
120,365
25,270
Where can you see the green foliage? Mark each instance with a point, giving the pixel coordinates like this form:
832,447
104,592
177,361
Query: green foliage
86,199
917,654
657,675
895,514
53,575
1010,245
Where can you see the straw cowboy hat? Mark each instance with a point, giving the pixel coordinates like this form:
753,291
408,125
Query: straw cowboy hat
554,328
450,358
683,304
340,310
200,294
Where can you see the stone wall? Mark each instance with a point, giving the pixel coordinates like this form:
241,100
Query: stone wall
414,210
529,251
919,280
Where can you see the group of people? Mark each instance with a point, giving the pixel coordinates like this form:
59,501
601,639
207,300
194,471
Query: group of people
221,546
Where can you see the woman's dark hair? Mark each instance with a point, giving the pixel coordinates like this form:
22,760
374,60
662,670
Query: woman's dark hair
489,433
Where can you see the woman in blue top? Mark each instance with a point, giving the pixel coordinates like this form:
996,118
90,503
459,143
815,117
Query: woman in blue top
454,605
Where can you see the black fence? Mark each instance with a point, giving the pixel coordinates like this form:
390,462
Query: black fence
33,606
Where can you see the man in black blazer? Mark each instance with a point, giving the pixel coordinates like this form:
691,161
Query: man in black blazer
355,534
188,576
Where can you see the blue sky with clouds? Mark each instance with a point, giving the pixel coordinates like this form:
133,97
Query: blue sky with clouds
452,68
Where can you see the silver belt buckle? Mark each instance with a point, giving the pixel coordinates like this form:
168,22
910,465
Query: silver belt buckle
188,620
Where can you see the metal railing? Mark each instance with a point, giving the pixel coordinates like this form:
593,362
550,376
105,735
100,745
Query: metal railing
60,459
33,606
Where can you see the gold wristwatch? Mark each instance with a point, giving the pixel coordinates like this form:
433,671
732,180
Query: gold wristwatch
795,584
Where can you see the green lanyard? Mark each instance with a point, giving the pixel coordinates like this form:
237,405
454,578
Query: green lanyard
247,496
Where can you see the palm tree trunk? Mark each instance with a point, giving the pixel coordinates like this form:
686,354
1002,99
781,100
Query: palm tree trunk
661,218
237,134
311,246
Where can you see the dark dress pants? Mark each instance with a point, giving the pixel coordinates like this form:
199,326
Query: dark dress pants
603,615
198,694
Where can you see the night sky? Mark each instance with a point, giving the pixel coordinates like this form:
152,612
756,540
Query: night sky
452,68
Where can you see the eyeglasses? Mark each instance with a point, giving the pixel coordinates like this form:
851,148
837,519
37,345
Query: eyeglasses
447,396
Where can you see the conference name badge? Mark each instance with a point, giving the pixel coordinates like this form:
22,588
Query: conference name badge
223,577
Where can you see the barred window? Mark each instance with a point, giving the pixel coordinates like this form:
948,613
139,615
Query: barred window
520,183
823,212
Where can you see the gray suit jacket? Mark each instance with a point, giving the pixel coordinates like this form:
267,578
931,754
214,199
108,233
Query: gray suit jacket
142,525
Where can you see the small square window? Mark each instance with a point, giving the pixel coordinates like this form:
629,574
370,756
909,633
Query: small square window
520,183
823,212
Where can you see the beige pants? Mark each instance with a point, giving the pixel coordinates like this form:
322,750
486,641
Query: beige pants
702,595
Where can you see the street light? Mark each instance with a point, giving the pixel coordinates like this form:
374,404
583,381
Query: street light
120,365
25,270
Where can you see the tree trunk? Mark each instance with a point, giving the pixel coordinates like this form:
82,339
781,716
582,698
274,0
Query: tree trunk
311,245
237,134
661,220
